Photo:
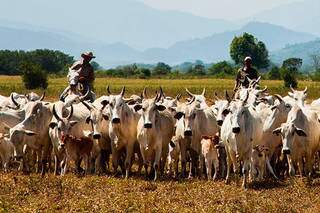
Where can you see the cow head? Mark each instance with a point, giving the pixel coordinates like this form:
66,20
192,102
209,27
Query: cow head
298,96
201,99
149,110
221,109
97,117
279,113
238,109
288,131
63,125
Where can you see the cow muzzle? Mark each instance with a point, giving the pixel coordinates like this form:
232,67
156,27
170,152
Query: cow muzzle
96,136
116,120
188,133
236,130
286,151
148,125
219,122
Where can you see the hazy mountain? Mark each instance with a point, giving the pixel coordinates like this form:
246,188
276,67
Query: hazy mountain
300,16
22,39
302,50
216,47
111,21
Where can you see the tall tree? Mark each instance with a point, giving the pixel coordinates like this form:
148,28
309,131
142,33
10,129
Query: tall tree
248,45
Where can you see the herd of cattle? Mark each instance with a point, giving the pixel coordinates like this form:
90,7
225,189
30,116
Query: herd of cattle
251,133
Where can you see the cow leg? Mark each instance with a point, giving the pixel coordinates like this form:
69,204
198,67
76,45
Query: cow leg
202,159
208,163
56,165
193,163
291,166
157,162
115,160
140,162
229,164
245,171
176,167
102,160
164,156
216,168
128,158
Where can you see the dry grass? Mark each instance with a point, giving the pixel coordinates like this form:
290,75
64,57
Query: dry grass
171,86
107,194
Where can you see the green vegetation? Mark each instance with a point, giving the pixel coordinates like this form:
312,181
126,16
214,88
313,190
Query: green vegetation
33,76
289,71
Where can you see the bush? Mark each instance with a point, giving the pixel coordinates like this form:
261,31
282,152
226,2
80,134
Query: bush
33,76
289,78
222,68
274,73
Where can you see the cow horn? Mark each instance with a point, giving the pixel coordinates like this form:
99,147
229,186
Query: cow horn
123,91
144,93
85,95
55,114
277,96
246,99
14,101
305,90
292,88
203,92
189,93
265,89
71,112
43,96
161,92
228,97
87,105
108,90
158,96
192,100
178,96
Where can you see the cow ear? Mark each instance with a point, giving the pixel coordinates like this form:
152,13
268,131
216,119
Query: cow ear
105,117
290,94
301,132
277,131
29,132
137,107
52,125
72,123
161,108
172,144
88,119
178,115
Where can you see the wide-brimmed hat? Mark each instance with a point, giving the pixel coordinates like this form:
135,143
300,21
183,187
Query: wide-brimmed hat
248,58
87,55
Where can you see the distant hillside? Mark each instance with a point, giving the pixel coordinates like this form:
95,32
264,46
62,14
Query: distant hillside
110,21
216,47
302,50
302,16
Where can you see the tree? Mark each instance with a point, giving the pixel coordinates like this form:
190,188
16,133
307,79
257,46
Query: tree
197,70
248,45
274,73
221,68
33,76
143,72
95,65
289,71
161,69
315,62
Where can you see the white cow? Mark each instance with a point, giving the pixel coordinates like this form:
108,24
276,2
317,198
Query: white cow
122,130
154,132
300,137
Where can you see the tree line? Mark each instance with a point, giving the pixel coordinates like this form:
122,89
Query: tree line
35,66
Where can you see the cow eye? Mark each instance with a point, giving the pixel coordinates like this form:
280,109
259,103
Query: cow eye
288,106
225,112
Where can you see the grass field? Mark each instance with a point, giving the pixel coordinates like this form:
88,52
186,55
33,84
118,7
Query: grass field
170,86
107,194
19,193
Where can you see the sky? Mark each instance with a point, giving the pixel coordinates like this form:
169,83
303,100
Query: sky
221,9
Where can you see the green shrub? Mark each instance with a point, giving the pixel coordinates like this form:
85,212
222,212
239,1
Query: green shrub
33,76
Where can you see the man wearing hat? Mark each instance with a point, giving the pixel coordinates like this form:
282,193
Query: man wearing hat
80,72
246,71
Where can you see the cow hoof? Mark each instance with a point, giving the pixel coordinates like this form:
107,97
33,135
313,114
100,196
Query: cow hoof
227,181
